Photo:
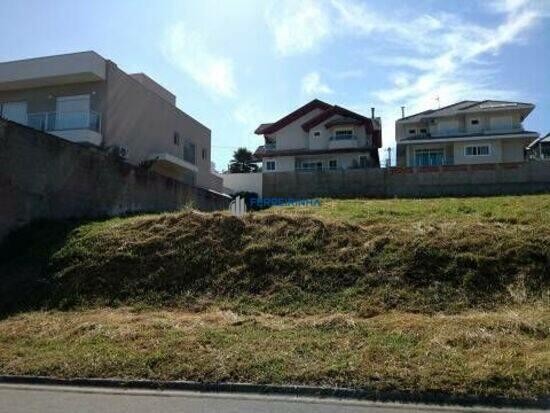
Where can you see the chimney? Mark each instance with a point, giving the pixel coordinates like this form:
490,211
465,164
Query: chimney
402,112
372,113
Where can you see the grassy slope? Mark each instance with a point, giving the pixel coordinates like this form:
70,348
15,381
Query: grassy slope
448,295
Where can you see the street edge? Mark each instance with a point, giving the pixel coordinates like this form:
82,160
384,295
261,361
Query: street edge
437,398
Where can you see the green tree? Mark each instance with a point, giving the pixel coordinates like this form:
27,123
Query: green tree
242,162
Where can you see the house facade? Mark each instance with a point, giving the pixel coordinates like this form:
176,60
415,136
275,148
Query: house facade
319,136
467,132
84,98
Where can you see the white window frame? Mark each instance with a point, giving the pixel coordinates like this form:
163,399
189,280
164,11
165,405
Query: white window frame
267,168
476,149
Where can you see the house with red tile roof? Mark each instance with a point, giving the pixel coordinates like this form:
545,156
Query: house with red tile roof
319,136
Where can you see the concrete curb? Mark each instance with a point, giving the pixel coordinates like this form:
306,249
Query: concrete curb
438,398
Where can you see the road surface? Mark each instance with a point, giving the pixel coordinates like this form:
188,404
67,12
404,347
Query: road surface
17,398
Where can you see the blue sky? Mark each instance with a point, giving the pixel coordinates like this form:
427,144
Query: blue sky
236,63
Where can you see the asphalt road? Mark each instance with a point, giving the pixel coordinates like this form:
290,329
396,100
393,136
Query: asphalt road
49,399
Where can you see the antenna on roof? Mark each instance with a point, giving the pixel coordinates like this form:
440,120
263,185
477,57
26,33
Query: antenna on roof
402,111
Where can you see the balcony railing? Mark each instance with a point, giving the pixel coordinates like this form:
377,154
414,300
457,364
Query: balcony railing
58,121
270,146
343,138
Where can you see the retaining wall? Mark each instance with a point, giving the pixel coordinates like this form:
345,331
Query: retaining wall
43,176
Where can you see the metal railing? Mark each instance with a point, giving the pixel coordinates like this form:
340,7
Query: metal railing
269,146
58,121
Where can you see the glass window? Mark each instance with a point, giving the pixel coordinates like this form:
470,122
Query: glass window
270,165
423,131
204,153
363,161
189,152
332,164
316,134
478,150
429,157
343,132
176,138
312,165
474,121
412,131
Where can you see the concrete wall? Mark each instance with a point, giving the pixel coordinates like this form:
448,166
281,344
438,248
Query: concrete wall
43,176
458,180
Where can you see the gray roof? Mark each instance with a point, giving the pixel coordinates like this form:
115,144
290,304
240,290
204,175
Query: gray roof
468,106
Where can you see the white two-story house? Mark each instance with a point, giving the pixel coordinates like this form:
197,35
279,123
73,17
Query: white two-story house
467,132
85,98
319,136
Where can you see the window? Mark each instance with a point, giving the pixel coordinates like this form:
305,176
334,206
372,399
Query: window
316,134
477,150
429,157
312,165
269,165
412,131
176,138
423,131
204,154
474,122
332,164
363,161
189,152
343,134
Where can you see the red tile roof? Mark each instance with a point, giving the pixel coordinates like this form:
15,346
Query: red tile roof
266,128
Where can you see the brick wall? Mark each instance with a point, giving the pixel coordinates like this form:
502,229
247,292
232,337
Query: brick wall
42,176
459,180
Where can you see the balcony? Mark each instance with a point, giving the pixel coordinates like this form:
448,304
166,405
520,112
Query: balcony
270,146
83,127
343,142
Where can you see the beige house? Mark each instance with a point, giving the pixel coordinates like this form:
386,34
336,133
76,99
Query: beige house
85,98
467,132
319,136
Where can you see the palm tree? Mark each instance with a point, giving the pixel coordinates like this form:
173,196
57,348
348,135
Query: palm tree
242,162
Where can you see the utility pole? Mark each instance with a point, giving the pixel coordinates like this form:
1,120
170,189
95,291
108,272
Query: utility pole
388,158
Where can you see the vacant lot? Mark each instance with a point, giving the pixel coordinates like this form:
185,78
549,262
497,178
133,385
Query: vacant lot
448,295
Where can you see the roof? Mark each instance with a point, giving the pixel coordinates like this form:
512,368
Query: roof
346,116
468,106
266,128
337,110
543,139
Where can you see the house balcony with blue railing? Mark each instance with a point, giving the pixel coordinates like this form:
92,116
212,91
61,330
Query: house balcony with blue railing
80,126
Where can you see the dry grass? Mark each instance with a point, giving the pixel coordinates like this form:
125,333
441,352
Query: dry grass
444,295
502,353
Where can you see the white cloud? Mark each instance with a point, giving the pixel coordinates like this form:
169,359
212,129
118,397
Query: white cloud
312,85
428,55
442,56
298,26
187,50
